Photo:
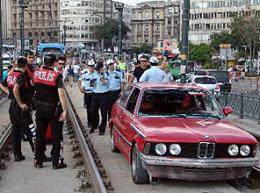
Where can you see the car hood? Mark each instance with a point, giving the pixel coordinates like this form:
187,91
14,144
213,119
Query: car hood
188,130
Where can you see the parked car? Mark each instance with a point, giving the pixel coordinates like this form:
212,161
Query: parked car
209,83
179,131
221,76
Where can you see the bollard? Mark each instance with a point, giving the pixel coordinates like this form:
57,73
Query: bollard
241,106
226,98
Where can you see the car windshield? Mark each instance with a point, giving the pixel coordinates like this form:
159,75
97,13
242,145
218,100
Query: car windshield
205,80
187,103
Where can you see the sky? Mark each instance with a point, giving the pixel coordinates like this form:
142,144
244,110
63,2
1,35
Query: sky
132,2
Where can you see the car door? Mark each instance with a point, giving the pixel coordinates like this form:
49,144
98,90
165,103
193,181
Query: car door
120,114
126,128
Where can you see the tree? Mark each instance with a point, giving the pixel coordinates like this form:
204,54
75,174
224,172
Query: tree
201,53
144,48
223,37
246,29
109,31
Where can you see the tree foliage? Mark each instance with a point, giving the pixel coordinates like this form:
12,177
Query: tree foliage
110,30
144,48
201,53
221,38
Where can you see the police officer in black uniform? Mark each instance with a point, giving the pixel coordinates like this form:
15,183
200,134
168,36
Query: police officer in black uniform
19,107
49,92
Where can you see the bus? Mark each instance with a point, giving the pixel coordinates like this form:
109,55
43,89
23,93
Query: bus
50,48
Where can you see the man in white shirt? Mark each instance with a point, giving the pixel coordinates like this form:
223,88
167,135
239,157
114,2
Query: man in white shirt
155,74
76,69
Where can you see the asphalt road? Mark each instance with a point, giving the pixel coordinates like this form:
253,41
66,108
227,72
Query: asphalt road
245,87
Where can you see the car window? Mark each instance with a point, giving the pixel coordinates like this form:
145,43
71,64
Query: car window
125,95
178,102
133,100
221,76
205,80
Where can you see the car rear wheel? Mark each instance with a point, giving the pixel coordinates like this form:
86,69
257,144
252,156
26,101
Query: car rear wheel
139,174
113,146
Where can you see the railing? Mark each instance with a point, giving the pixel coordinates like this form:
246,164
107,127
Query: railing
244,105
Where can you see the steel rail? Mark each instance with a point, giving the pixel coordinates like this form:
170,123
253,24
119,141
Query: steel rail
6,134
89,160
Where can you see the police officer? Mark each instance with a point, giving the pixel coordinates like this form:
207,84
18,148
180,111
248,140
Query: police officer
155,74
99,99
49,92
115,85
19,107
86,88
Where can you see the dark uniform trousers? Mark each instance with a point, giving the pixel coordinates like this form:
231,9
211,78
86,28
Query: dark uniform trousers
42,121
112,98
99,101
21,122
87,102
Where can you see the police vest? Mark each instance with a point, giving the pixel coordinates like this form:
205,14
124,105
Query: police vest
45,81
11,80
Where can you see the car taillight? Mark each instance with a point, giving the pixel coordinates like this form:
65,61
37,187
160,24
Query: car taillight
193,84
217,88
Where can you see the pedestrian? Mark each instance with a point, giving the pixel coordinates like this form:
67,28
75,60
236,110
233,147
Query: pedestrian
115,85
99,99
49,93
155,74
70,75
165,67
19,108
138,71
76,70
86,88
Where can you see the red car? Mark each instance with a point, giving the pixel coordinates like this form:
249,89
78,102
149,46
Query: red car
179,131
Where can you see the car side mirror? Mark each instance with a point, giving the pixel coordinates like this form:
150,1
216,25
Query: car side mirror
227,110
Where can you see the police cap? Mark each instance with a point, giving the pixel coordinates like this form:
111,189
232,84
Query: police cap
49,60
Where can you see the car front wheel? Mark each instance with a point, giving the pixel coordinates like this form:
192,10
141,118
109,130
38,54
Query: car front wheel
139,174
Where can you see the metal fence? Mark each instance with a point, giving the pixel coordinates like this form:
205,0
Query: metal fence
244,105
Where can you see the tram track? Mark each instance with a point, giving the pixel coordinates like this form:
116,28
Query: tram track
101,183
5,146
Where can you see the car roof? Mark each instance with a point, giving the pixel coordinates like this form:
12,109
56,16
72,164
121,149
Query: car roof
166,85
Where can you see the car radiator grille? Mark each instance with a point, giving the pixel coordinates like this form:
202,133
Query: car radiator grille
206,150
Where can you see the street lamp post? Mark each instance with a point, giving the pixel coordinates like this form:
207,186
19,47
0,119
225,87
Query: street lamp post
120,8
1,43
22,7
185,34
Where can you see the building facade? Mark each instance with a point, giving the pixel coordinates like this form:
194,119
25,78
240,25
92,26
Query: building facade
6,20
210,16
155,21
41,22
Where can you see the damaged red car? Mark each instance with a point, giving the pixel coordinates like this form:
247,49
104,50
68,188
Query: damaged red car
180,132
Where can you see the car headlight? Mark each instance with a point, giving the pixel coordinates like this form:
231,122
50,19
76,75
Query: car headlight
175,149
160,149
233,150
244,150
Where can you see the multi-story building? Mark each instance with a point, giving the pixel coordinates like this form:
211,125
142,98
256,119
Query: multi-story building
41,21
6,19
209,16
154,21
80,18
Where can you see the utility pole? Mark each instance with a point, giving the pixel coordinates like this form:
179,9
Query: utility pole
185,34
1,43
120,8
22,7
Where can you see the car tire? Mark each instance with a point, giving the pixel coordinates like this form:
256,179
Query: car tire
139,174
113,146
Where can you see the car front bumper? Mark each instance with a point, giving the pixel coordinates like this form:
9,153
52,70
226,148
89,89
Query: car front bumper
198,169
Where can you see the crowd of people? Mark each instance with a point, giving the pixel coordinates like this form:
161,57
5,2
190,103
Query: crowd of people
41,89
